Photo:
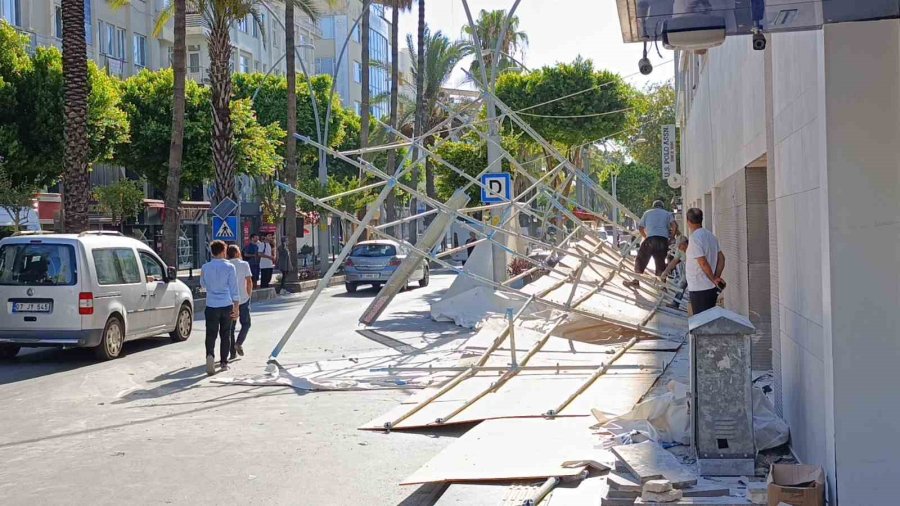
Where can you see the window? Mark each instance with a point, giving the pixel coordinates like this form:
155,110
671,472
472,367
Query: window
194,62
120,43
254,28
88,35
374,250
245,64
58,22
116,266
325,66
357,72
140,50
37,264
357,107
242,24
326,25
153,269
378,47
112,40
377,9
9,10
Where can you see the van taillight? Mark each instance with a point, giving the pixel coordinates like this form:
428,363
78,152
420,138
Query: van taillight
395,262
86,303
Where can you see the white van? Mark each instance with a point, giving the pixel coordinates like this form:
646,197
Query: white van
95,289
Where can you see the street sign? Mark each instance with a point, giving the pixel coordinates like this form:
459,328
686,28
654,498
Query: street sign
669,154
500,186
225,229
226,207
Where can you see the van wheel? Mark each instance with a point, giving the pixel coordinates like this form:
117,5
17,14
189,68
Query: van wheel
113,339
183,325
424,281
351,287
8,351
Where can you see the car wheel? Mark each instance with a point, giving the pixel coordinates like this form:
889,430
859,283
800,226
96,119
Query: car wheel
113,340
183,325
8,351
424,281
351,287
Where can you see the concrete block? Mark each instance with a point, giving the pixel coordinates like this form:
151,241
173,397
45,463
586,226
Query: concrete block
623,481
668,496
658,486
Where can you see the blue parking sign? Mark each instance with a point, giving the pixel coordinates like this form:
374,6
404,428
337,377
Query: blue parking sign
225,229
500,186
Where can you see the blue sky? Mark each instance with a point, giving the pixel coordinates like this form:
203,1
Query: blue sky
559,30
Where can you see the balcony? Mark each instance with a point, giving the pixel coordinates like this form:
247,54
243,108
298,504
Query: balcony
198,74
36,40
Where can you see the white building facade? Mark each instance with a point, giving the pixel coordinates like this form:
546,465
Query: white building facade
793,153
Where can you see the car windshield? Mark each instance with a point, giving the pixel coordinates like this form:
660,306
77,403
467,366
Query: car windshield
374,250
37,264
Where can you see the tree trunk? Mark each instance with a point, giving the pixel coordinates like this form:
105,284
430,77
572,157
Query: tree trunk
220,84
290,148
176,146
76,89
365,105
390,202
420,116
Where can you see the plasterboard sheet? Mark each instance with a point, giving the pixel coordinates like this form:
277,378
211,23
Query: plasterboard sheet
515,449
574,493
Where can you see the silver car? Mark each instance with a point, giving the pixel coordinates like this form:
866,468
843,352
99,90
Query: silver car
373,262
90,290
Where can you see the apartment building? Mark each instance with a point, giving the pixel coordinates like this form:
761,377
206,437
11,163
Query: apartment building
791,152
335,24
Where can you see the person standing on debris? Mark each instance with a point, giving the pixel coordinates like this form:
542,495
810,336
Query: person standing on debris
705,263
469,249
251,256
655,227
245,287
266,260
219,278
285,263
677,260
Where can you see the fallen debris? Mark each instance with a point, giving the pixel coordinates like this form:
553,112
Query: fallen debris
649,461
669,496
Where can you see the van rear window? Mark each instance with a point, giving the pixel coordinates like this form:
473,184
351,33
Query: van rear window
37,264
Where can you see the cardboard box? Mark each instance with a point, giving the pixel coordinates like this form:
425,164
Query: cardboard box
796,485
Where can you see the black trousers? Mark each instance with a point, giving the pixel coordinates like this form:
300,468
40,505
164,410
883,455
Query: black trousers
656,247
244,320
703,300
218,324
265,277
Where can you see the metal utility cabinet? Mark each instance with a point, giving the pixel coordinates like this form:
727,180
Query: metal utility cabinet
721,385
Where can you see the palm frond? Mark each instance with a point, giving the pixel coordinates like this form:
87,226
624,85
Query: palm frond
163,18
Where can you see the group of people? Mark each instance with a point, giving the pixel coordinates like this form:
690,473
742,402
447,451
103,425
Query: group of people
699,252
229,280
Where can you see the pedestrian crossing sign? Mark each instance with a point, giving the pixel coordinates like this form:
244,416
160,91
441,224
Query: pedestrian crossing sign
225,229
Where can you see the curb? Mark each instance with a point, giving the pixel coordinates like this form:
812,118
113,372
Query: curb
265,294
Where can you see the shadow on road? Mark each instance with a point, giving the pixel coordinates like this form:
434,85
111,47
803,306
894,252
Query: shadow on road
37,362
172,382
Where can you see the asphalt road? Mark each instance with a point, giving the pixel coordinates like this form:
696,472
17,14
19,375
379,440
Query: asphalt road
150,427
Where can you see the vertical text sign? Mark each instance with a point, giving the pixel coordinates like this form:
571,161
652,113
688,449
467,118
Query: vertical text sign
669,157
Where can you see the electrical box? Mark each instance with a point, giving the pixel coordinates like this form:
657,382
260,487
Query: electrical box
721,384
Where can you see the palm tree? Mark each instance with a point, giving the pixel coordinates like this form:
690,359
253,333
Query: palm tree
76,89
431,69
176,146
489,27
420,117
396,6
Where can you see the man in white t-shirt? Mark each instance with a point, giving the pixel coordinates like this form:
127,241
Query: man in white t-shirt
245,290
266,260
705,263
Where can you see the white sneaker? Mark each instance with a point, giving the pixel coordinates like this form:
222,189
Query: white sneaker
210,365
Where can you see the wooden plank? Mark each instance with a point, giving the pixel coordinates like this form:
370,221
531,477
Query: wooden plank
649,461
516,449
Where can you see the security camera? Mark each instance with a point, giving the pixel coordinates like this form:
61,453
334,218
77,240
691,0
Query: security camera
645,66
759,41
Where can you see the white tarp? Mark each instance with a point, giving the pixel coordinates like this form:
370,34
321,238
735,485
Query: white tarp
468,309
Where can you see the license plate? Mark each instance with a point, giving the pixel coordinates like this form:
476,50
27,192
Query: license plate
32,307
371,276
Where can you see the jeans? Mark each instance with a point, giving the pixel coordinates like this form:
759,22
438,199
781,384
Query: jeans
254,272
244,320
218,323
265,277
703,300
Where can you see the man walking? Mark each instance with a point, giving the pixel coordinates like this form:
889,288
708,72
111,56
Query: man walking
705,263
245,286
266,260
655,227
251,256
470,247
285,263
219,278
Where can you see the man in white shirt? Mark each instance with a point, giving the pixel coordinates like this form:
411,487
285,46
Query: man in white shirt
266,260
245,287
705,263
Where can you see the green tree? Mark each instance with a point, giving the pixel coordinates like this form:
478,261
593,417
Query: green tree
15,198
654,107
121,201
637,186
469,157
489,28
32,133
